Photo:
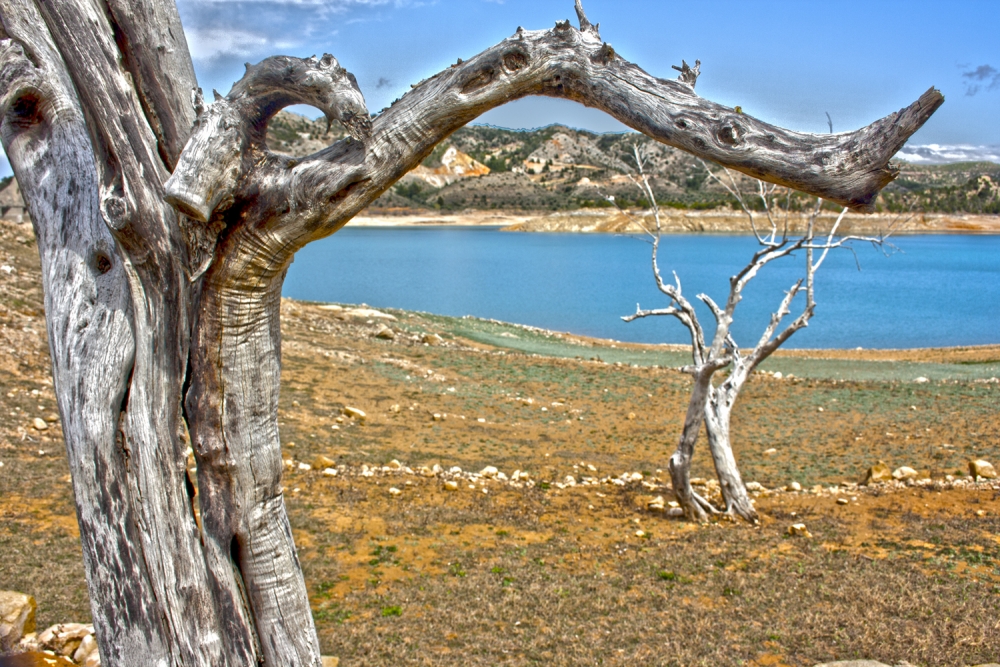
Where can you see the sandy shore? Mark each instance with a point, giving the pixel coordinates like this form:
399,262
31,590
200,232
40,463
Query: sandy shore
679,222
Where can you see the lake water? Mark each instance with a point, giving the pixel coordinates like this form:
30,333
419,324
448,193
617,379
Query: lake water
929,291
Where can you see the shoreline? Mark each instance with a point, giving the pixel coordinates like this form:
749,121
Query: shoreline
971,356
675,221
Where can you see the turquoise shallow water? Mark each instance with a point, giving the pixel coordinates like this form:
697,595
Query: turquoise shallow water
930,291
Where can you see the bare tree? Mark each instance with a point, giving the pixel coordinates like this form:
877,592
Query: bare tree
165,229
710,403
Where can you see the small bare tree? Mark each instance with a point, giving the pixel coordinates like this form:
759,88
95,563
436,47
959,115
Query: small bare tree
712,404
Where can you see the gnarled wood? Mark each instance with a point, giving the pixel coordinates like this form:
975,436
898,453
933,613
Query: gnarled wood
143,300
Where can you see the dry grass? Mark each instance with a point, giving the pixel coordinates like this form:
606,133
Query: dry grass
559,577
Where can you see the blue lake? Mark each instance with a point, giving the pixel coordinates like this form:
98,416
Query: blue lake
929,291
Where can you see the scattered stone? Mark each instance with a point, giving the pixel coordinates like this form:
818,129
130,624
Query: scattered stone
921,380
323,462
451,485
395,465
640,533
368,314
795,486
798,530
631,416
63,639
879,472
778,375
656,504
330,472
305,467
489,471
328,661
17,617
393,491
385,333
355,413
87,648
842,501
770,452
905,473
755,486
432,339
438,417
40,424
981,468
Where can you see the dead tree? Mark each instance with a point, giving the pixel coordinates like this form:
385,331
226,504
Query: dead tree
712,404
165,229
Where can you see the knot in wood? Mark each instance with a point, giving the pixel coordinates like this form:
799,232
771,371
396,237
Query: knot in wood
100,261
115,211
730,134
606,54
514,61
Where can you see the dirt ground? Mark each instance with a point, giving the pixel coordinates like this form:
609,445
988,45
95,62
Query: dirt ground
405,571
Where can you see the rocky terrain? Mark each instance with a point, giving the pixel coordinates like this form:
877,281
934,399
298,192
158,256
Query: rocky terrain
471,491
561,169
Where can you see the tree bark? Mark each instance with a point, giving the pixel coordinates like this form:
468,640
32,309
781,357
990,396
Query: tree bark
162,295
718,412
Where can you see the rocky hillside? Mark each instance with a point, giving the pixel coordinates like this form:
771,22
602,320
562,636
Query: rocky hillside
557,168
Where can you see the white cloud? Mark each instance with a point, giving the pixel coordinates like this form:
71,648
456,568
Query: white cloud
945,153
209,43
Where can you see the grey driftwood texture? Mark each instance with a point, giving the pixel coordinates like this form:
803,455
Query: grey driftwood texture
165,229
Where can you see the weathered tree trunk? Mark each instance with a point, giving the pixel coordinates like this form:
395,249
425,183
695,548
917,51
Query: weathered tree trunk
695,507
158,287
718,412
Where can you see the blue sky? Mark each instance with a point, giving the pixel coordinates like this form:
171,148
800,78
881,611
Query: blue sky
787,62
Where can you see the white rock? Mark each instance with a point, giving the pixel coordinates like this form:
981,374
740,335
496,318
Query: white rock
795,486
305,467
921,380
905,473
17,618
799,530
395,465
489,471
40,424
393,491
87,646
451,485
355,413
981,468
771,451
330,472
755,486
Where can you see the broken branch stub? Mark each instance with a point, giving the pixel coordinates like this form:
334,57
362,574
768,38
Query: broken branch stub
231,132
688,74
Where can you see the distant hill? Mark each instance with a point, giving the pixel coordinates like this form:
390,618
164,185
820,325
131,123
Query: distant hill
557,168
